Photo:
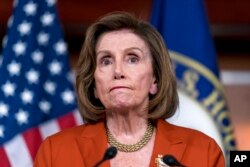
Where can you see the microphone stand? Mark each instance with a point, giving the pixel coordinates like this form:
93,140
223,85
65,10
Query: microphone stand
171,161
109,154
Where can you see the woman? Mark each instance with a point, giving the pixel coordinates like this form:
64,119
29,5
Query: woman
126,90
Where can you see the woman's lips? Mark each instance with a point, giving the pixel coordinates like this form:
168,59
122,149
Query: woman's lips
117,87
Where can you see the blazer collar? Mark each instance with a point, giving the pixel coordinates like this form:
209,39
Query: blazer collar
167,141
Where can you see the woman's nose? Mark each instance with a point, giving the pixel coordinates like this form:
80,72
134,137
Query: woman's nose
118,72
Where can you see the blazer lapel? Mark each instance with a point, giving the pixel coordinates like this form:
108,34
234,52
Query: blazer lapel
167,141
92,144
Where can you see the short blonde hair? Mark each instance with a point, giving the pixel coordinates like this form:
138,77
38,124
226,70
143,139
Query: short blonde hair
161,105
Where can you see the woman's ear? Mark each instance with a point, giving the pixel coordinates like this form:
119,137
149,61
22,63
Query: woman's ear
153,88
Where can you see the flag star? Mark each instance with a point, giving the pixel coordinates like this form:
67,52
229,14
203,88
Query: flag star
32,76
27,96
50,87
37,56
1,131
51,2
14,68
24,28
47,19
8,88
68,97
19,48
30,8
70,77
4,110
43,38
22,117
55,68
45,106
60,47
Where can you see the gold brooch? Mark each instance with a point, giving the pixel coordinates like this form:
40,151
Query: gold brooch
159,162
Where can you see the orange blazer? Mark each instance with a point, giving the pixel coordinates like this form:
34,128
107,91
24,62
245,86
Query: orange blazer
85,145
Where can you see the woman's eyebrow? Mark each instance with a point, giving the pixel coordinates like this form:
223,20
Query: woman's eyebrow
134,48
102,51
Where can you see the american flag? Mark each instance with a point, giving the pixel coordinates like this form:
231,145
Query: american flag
37,96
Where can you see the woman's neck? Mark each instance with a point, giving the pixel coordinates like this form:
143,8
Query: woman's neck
127,127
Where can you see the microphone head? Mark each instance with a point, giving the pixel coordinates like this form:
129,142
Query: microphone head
110,153
171,161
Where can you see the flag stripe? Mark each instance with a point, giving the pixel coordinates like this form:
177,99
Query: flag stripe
4,161
18,153
33,140
78,117
49,128
67,121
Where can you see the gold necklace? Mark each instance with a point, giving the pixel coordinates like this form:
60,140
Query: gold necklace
131,147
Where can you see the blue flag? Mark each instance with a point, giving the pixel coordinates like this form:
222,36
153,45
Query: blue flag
184,27
37,96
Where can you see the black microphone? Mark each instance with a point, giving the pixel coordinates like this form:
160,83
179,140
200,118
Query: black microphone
109,154
171,161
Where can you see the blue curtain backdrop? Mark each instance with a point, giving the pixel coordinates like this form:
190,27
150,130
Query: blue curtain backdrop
185,29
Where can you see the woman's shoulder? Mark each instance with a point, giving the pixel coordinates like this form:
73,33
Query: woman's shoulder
74,132
193,142
184,133
69,132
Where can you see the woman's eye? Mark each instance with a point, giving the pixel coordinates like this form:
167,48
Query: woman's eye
133,59
106,61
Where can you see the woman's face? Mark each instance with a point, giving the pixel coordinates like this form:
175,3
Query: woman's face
124,74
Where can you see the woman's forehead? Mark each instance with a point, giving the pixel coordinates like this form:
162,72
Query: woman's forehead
120,38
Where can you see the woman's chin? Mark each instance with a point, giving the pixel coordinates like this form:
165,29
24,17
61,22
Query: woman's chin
122,105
